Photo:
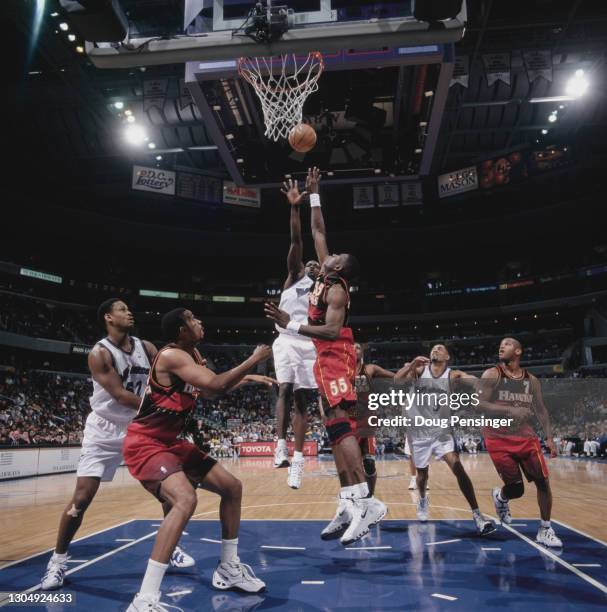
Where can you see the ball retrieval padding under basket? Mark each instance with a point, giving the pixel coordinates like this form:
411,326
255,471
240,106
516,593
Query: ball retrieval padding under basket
282,85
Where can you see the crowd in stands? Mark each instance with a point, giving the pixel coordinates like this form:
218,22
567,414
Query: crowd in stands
41,408
43,319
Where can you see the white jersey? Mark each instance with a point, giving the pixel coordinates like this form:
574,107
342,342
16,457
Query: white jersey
133,369
294,301
430,391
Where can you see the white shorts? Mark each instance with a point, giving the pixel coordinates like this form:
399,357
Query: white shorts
423,449
294,360
101,448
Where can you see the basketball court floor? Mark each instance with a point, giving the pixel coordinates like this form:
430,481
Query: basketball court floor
402,564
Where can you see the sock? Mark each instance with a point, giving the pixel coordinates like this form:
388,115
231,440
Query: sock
545,524
297,455
501,497
153,577
356,491
229,550
59,557
476,512
282,444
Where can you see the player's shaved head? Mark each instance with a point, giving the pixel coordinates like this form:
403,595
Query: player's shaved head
517,343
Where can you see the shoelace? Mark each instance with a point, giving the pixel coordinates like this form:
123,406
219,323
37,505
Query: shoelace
56,570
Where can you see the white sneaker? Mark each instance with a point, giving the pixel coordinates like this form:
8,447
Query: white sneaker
296,471
413,483
483,526
501,507
237,575
423,503
340,522
281,457
365,512
149,602
547,537
180,558
54,575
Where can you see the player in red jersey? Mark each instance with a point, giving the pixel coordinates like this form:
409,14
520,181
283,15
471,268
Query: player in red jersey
365,435
171,468
334,370
513,391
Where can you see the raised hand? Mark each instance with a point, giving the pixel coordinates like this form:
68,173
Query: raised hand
312,180
279,316
262,352
291,191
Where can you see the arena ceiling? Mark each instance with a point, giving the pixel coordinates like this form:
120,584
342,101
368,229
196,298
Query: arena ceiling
65,106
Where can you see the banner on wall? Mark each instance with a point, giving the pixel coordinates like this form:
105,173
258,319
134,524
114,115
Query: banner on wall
497,67
266,449
388,195
460,181
363,196
241,196
538,63
461,71
411,194
154,180
154,93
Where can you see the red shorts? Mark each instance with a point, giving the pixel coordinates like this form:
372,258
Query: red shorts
511,454
365,440
334,368
150,461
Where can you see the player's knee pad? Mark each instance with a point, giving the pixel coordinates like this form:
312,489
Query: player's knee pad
338,429
369,466
514,490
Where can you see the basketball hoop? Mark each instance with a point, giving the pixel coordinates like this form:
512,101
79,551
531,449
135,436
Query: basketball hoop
282,95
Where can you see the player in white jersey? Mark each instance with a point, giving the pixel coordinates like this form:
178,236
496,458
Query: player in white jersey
294,355
119,365
433,379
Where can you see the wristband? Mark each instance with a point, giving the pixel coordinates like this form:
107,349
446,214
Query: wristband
314,200
293,326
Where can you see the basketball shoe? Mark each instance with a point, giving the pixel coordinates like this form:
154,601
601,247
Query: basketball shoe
340,522
501,507
238,576
296,470
365,512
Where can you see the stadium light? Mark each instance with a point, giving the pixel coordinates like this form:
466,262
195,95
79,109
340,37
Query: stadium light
79,49
151,145
55,14
119,105
71,37
131,118
64,27
135,134
544,132
158,157
552,117
577,85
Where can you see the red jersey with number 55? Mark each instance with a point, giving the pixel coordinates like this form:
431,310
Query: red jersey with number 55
335,364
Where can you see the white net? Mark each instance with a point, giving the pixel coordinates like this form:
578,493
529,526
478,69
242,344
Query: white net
282,85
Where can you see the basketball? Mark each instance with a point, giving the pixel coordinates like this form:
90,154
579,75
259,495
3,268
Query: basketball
302,138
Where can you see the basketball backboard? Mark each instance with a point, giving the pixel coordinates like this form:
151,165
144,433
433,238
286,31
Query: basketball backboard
221,30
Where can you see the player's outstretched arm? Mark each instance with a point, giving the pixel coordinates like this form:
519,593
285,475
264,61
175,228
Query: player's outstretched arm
259,379
319,233
182,365
337,300
103,372
542,414
295,265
